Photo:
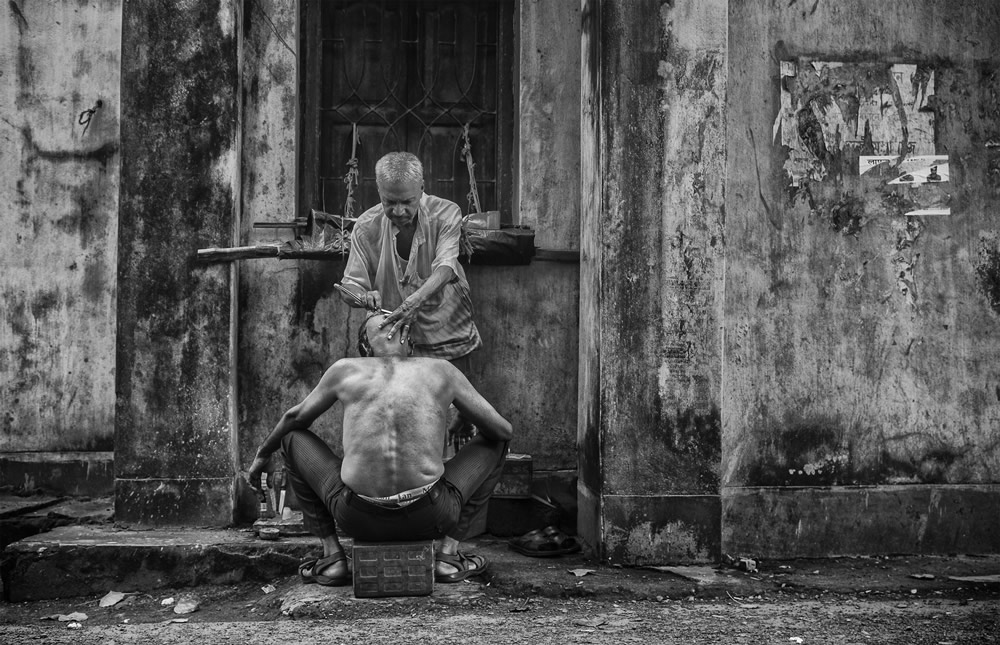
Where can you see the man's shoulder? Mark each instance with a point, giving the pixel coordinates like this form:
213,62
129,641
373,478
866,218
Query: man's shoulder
441,207
429,361
370,215
347,366
427,365
347,370
369,224
439,369
352,362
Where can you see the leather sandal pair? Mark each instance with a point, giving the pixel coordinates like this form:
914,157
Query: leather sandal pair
549,542
308,571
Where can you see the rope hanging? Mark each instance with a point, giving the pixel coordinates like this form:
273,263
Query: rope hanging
473,195
465,246
351,181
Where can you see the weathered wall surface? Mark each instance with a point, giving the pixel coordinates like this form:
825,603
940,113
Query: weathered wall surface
527,317
652,260
861,342
58,228
174,432
281,354
292,324
549,117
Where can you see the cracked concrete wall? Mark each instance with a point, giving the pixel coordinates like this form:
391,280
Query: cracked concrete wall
59,162
861,341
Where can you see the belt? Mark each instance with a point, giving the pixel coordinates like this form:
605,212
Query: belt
354,500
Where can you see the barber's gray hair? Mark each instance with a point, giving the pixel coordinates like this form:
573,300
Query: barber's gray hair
399,167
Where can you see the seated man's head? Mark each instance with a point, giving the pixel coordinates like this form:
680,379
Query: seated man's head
400,180
372,341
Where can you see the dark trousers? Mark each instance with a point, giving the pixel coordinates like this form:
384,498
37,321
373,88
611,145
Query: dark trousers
448,509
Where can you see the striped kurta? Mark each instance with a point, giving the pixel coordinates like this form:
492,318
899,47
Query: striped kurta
444,327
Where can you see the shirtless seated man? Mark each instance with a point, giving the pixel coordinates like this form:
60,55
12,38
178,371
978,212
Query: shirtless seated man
391,484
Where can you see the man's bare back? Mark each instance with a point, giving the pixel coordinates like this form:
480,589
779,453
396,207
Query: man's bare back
395,415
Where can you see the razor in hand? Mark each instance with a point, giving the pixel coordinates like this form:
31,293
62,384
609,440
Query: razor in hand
356,299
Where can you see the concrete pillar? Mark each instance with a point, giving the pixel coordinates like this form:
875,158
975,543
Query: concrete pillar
653,155
174,424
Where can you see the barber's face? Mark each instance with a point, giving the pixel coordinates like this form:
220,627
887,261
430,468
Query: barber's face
401,201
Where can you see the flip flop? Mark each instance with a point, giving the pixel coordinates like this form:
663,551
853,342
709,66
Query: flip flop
545,543
462,563
308,569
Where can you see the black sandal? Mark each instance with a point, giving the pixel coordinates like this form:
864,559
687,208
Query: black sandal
466,565
308,569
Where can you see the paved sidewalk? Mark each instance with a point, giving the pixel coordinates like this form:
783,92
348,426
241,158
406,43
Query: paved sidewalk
93,559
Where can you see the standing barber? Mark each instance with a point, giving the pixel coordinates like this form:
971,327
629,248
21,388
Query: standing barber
404,258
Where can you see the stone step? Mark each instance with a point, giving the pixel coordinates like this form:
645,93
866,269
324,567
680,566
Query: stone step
86,560
21,517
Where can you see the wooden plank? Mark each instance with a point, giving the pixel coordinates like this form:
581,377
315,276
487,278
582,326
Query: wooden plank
215,254
591,243
557,255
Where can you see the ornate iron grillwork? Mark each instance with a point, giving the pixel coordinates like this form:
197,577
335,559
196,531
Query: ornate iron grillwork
411,76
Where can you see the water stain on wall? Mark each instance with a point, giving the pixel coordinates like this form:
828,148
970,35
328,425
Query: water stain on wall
822,451
988,271
693,437
645,543
847,215
804,451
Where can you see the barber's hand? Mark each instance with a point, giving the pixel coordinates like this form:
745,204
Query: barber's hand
400,320
258,467
373,301
370,300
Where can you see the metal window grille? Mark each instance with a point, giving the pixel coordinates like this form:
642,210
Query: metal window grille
397,75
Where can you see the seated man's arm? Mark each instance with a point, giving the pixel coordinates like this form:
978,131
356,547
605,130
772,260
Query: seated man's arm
477,409
298,417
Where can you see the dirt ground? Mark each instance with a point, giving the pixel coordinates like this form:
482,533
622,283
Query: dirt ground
476,613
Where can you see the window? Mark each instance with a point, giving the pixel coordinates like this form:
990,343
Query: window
410,76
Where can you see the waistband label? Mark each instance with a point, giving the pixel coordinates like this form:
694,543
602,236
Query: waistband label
399,500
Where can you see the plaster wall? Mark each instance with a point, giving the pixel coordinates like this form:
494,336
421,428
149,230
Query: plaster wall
549,117
58,233
861,343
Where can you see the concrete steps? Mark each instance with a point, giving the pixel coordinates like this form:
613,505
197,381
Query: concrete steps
22,517
86,560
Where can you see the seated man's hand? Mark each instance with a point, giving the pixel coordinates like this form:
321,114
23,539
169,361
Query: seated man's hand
257,468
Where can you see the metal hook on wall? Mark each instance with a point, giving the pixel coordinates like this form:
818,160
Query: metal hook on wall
87,115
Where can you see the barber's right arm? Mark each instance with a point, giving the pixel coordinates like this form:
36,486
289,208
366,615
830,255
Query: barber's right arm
359,274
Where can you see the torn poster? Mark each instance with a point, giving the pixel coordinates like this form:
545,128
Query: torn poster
833,113
914,170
